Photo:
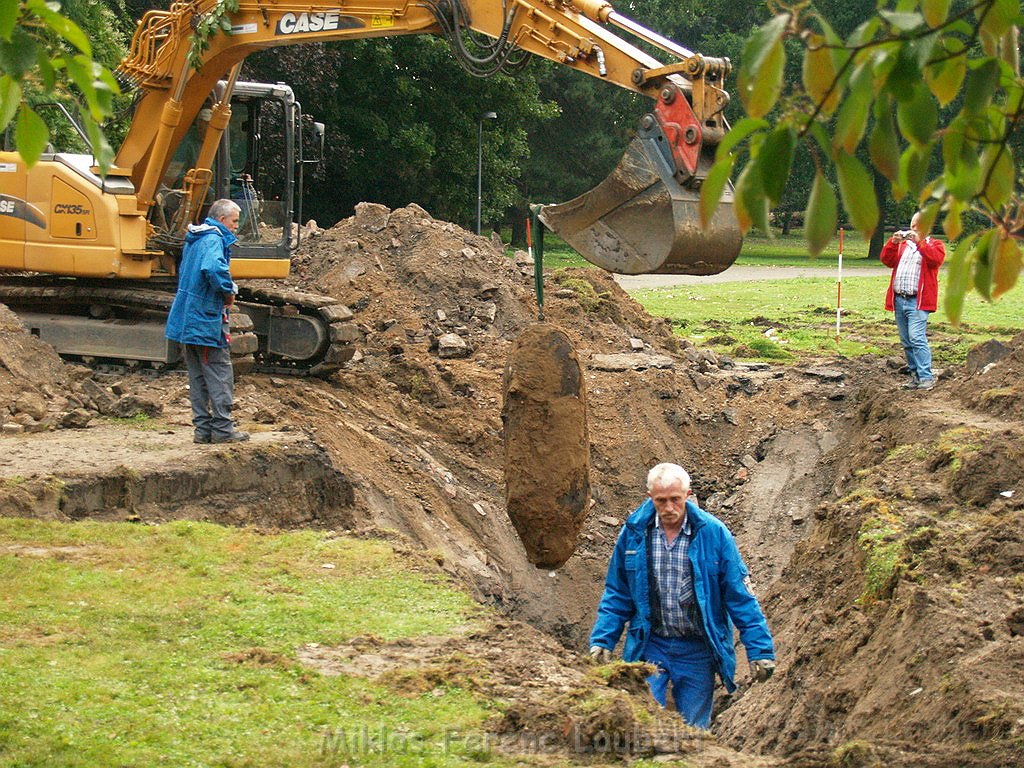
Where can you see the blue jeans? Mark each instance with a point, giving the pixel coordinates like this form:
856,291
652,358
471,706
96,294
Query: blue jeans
688,663
912,324
211,381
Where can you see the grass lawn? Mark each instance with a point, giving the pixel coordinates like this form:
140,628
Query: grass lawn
779,251
128,645
781,319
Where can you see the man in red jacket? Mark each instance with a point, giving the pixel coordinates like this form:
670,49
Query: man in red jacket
913,294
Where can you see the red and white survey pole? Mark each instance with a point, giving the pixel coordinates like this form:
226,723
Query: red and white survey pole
839,286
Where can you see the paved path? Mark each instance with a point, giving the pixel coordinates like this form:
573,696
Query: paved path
743,274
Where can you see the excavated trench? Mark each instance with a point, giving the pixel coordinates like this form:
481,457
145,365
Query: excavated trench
884,530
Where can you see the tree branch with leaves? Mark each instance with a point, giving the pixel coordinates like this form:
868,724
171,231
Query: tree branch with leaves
919,77
44,55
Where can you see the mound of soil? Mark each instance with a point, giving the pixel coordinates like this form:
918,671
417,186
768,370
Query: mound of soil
898,618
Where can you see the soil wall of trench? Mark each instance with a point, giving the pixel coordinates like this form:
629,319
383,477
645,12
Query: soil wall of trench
882,530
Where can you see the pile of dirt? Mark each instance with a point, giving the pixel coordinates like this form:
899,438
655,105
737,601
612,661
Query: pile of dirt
38,392
547,701
899,618
993,378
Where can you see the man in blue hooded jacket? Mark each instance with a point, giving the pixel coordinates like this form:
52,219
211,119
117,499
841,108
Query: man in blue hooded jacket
677,578
198,321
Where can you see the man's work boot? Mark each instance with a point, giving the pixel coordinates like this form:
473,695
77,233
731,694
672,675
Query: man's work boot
234,437
202,439
926,384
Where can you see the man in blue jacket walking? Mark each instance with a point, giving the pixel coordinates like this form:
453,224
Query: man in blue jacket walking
198,321
677,578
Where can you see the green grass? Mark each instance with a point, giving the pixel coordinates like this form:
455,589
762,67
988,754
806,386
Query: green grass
759,250
800,314
126,645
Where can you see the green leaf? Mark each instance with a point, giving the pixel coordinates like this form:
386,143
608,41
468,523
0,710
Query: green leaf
775,158
958,279
918,117
30,135
984,253
980,86
10,98
101,148
945,77
760,79
961,169
983,264
928,214
864,32
46,70
1006,268
858,194
997,168
738,133
997,17
819,75
853,116
913,167
904,22
900,72
953,225
18,55
821,216
66,28
883,145
712,188
935,11
9,12
750,197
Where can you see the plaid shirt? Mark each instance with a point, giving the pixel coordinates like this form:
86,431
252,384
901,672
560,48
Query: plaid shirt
908,271
674,609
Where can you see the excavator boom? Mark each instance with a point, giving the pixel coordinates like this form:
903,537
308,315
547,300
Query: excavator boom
643,218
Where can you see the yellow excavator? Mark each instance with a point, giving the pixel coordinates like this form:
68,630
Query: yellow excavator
89,260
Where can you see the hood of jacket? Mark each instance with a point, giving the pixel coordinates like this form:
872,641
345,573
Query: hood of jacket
210,227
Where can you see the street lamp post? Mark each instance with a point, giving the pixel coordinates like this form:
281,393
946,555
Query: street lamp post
480,164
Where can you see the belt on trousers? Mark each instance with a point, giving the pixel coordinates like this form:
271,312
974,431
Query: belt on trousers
906,295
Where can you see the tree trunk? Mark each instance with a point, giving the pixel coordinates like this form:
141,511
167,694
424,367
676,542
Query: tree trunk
519,226
787,222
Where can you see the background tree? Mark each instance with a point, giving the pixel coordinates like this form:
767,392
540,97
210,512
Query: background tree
898,67
46,55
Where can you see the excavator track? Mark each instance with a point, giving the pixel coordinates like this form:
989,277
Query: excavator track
294,333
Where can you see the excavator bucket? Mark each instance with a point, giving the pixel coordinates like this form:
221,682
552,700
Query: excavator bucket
642,220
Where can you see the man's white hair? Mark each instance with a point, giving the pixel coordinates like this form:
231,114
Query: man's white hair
666,473
223,207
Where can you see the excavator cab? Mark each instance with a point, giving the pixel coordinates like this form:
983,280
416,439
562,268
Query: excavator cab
259,164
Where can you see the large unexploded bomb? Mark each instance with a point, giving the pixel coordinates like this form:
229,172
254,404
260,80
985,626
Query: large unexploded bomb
547,452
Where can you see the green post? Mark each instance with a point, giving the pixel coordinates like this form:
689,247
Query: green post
538,257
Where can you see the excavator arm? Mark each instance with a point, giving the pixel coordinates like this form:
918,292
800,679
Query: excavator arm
643,218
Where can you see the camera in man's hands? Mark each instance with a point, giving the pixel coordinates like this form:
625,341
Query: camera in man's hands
903,234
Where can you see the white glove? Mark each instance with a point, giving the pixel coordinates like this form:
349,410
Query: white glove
600,655
761,669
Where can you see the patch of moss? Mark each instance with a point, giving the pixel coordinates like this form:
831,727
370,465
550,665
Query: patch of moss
854,754
586,295
881,539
